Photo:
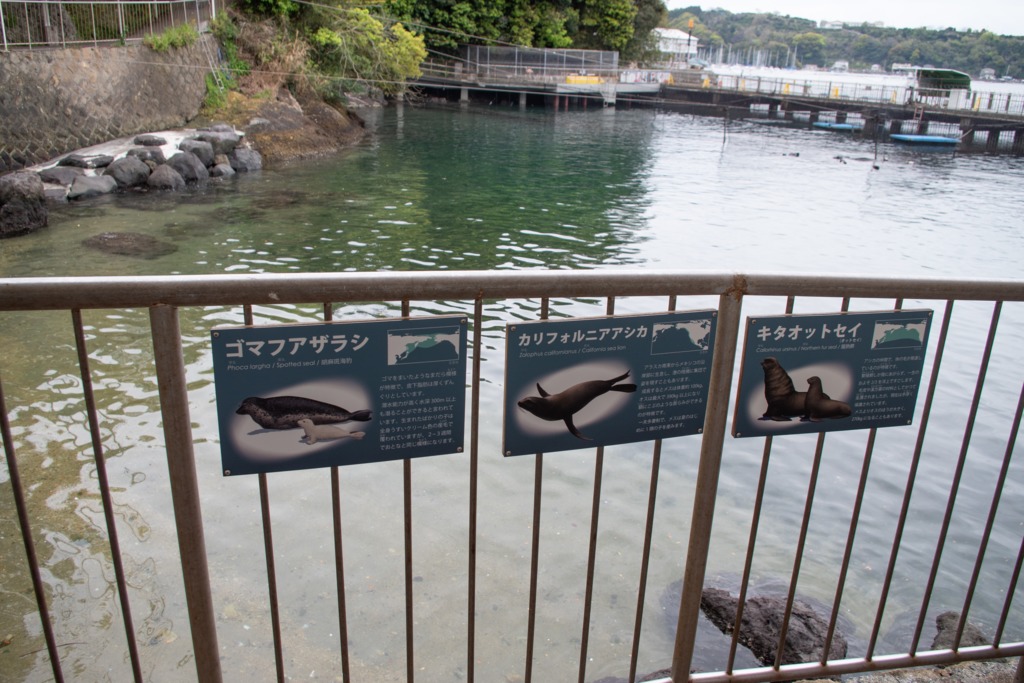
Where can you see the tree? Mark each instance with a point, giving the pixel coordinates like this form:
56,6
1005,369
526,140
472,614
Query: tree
650,14
810,46
357,46
605,24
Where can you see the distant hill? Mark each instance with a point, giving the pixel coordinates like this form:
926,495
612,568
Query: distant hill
782,40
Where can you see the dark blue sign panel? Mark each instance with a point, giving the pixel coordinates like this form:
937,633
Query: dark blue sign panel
595,382
293,397
830,372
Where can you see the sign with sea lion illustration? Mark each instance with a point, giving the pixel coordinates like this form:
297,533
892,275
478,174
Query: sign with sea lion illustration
830,372
591,382
293,397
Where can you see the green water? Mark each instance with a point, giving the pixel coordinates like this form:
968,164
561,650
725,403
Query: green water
488,188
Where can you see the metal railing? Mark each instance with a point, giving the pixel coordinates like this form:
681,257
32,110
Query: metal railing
29,24
976,101
993,328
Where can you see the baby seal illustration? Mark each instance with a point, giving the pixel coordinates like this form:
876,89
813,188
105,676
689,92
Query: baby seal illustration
563,405
284,412
784,401
820,406
316,432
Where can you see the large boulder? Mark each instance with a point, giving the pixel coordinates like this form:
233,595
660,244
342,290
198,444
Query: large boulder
244,159
22,204
201,148
149,140
164,177
222,171
88,186
128,172
761,627
83,161
223,141
190,167
61,175
154,154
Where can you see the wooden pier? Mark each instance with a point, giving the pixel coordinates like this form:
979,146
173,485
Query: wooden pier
692,92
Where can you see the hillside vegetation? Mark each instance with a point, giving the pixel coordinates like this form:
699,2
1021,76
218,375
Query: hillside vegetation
779,37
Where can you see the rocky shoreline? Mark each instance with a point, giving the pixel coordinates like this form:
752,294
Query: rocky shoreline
254,129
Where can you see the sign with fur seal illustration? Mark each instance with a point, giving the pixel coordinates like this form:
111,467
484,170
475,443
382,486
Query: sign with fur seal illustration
591,382
295,397
830,372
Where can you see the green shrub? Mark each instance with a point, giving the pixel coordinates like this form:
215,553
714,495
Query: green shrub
174,37
215,98
225,31
270,8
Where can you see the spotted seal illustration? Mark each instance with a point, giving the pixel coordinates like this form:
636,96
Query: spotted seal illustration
316,433
820,405
284,412
784,401
563,405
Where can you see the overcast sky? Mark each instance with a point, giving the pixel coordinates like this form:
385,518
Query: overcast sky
998,16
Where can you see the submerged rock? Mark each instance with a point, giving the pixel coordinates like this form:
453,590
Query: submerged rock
129,244
761,627
947,624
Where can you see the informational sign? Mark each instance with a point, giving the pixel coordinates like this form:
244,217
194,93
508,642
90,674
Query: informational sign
599,381
293,397
830,372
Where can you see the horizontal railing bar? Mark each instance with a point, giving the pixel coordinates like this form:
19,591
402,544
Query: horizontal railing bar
61,293
100,2
791,672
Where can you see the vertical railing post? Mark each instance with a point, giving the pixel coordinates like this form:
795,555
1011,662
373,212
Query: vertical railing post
729,306
170,373
3,28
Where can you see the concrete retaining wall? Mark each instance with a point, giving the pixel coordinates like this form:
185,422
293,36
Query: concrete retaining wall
55,101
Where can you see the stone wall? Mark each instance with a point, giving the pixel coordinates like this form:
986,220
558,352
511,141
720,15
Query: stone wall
55,101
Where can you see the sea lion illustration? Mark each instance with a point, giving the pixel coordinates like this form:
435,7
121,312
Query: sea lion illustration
316,432
820,406
784,401
563,405
284,412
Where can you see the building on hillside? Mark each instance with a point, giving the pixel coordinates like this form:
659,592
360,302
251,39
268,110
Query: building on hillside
677,46
830,25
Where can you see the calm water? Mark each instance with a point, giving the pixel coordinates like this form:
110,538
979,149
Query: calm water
489,188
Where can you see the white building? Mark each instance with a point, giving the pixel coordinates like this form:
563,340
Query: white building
678,45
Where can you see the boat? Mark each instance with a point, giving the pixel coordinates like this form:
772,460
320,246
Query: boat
829,125
923,139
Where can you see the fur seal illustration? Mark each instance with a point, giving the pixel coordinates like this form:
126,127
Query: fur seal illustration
284,412
563,405
784,401
820,405
316,433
